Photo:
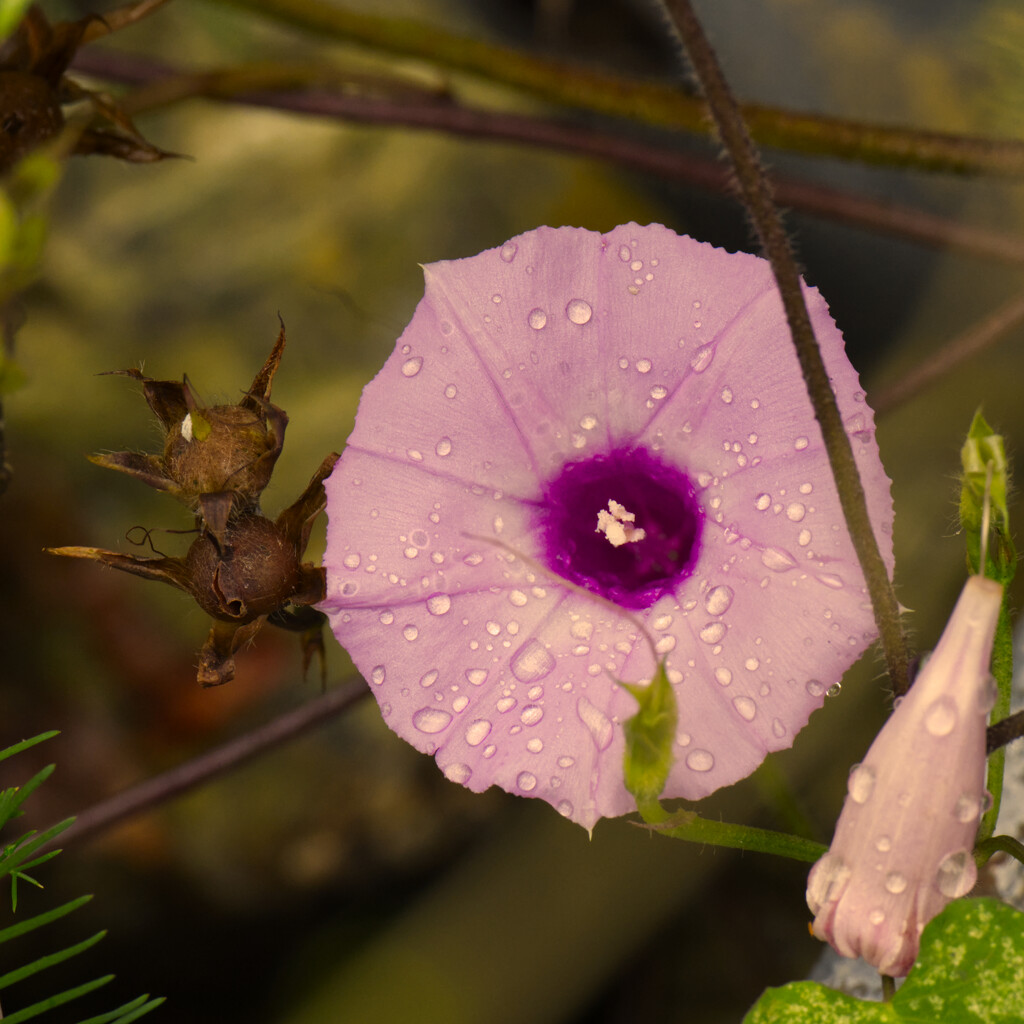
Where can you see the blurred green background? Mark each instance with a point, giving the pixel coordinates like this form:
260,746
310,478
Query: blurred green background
341,878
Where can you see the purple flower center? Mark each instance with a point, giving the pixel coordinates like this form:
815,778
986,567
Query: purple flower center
652,525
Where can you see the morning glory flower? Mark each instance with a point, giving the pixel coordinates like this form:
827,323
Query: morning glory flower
580,442
902,847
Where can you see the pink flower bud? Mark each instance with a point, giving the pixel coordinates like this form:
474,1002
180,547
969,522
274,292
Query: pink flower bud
902,847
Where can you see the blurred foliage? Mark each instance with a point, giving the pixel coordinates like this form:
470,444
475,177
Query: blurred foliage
341,877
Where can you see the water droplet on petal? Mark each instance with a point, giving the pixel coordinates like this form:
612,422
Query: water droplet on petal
815,688
643,365
801,443
940,718
763,502
700,760
795,512
459,773
967,809
443,447
410,632
429,678
508,251
957,874
883,844
431,720
526,781
826,882
723,676
579,311
777,560
351,561
597,722
439,604
712,633
877,916
377,675
895,882
451,391
831,580
718,600
412,366
477,732
834,690
702,358
537,319
476,676
861,783
531,662
531,714
746,707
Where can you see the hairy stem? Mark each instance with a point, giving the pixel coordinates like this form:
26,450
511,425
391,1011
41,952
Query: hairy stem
149,794
757,198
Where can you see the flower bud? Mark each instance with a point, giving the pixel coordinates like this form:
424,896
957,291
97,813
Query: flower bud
902,847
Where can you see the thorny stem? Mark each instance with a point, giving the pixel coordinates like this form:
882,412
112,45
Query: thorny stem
149,794
649,102
755,192
305,91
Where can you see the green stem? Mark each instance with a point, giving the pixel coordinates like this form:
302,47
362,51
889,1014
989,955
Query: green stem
996,844
1002,669
756,195
650,102
695,829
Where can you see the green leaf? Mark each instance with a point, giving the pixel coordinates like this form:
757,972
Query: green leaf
17,748
649,737
127,1013
32,923
48,961
970,971
58,1000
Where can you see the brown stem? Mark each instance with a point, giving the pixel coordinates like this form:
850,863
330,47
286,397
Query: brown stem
755,192
153,792
1009,729
958,350
661,159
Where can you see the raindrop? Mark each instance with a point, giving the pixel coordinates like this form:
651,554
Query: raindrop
473,558
826,882
830,580
727,395
518,598
718,600
877,916
564,808
763,502
801,443
583,630
451,391
662,622
531,714
386,618
508,251
443,447
957,874
597,722
531,662
967,809
429,678
883,844
861,783
751,664
723,676
940,718
777,560
700,760
834,690
439,604
712,633
658,392
526,781
410,632
579,311
351,561
431,720
566,762
477,732
795,512
377,675
588,422
459,773
665,644
746,707
702,358
643,365
420,538
804,538
412,366
537,319
493,628
535,745
460,703
506,704
815,688
895,882
476,676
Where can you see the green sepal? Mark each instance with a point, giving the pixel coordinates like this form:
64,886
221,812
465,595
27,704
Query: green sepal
650,734
201,426
983,447
970,970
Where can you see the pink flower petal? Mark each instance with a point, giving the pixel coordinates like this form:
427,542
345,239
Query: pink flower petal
630,356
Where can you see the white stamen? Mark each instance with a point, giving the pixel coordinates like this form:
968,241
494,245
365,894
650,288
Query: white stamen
186,427
617,525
